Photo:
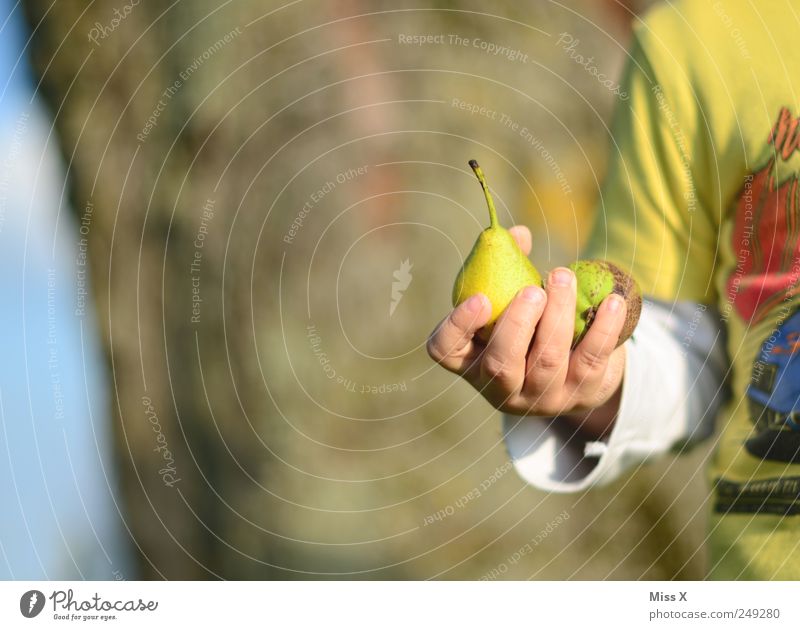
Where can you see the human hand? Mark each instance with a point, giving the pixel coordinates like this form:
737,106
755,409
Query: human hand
528,366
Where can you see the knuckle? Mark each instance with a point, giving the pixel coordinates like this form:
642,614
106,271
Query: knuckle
591,359
454,322
548,361
434,349
511,322
495,368
523,326
519,315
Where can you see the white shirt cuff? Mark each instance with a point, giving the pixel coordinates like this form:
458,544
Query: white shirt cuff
655,409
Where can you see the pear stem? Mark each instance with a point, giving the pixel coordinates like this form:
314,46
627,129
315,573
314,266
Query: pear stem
493,222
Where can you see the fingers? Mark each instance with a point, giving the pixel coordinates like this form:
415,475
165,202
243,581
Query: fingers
503,361
590,358
548,360
522,235
451,343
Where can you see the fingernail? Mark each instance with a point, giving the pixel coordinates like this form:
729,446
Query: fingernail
475,303
614,303
561,277
532,294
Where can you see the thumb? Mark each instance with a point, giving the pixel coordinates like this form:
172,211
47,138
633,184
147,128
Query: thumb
522,235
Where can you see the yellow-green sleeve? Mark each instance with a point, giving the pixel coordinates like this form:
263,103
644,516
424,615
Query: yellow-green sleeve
653,217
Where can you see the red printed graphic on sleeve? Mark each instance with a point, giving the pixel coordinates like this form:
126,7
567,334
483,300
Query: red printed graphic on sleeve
765,235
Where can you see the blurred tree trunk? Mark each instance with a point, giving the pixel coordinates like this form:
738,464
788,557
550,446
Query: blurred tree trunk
187,422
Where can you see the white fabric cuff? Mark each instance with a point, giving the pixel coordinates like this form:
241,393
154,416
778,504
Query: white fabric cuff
655,408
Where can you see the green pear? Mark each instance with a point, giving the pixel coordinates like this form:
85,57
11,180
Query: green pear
596,280
495,267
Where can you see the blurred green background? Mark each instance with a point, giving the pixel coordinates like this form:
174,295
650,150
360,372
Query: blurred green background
258,173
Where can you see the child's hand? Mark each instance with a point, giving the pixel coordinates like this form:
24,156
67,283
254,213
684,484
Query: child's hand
543,378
